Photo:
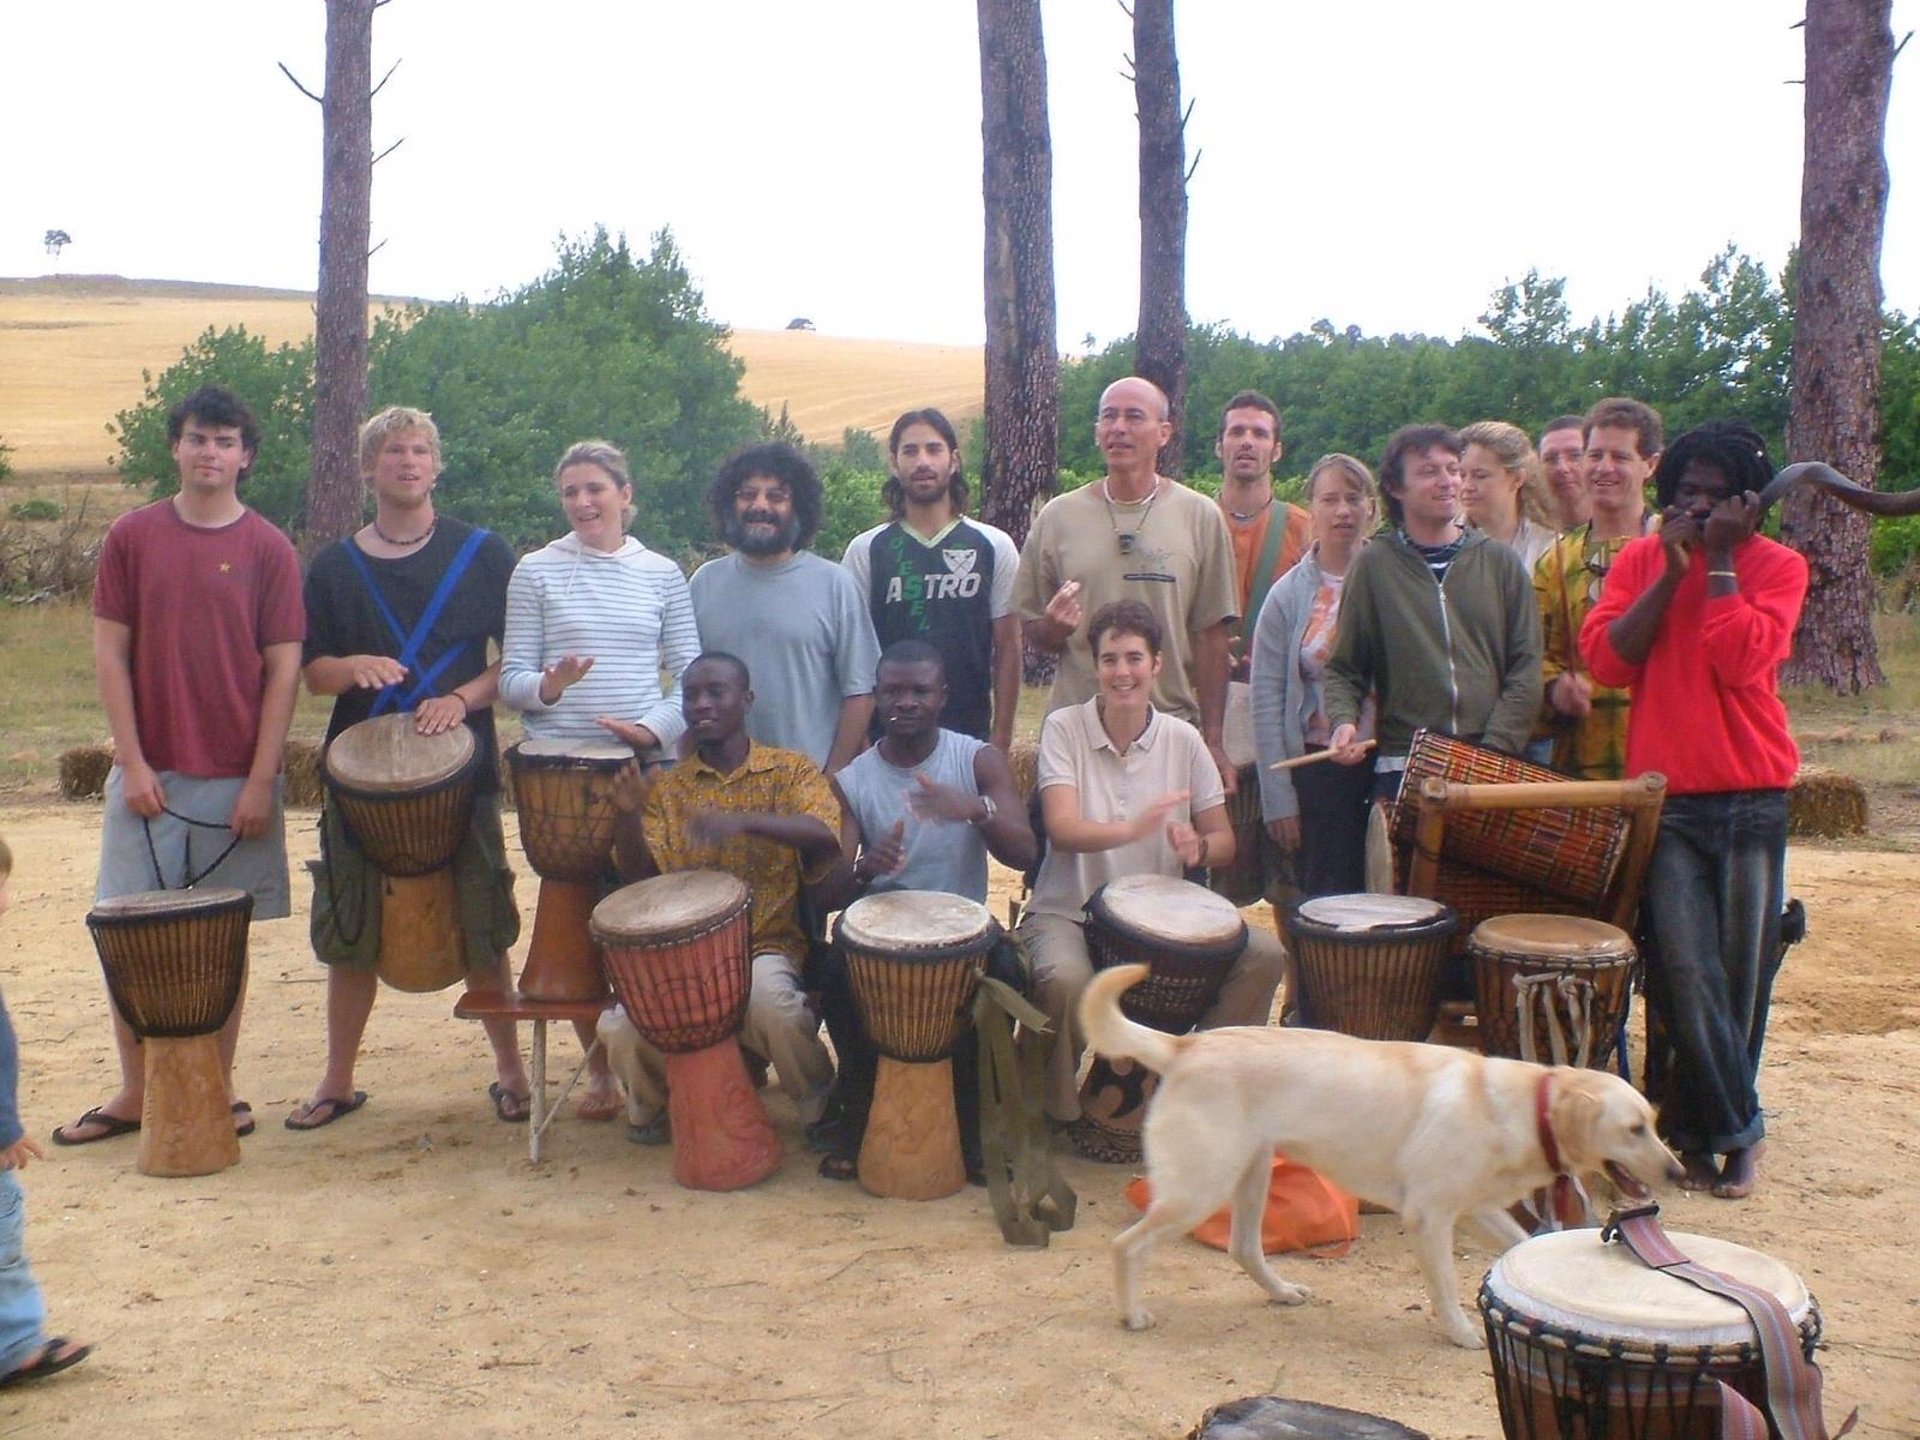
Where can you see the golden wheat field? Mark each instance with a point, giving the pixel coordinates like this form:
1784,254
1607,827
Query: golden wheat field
72,349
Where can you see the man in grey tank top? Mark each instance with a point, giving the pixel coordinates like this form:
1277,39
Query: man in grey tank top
923,810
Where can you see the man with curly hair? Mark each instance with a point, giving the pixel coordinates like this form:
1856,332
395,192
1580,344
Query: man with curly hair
798,621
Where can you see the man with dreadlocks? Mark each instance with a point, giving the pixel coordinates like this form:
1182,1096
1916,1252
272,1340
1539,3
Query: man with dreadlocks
1694,622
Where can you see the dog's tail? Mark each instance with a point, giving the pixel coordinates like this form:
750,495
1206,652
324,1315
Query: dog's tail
1112,1033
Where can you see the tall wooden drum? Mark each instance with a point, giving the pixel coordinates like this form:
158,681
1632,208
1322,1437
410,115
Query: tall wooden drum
1188,938
1538,978
679,953
407,801
1370,966
1589,1343
1244,881
563,792
915,959
175,963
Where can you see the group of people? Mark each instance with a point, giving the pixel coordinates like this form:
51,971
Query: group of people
826,730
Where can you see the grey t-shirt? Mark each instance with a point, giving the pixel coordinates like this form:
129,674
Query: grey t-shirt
803,630
948,856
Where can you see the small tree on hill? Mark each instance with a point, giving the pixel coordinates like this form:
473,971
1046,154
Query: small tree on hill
56,241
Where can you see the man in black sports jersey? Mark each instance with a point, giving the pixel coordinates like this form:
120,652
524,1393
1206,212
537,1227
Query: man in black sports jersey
932,574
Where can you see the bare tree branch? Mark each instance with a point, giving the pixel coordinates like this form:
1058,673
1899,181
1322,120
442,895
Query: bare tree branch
1186,115
389,150
297,85
386,77
1196,163
383,244
1902,45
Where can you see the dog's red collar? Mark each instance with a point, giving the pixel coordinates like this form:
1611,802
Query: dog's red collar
1543,1123
1567,1202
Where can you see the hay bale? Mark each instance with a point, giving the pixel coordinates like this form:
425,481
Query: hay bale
83,772
1826,804
1024,759
303,774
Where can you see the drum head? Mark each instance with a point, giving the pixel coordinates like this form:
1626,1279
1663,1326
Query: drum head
1572,1280
1371,912
609,753
166,904
903,921
668,906
1236,729
1560,936
1161,907
387,754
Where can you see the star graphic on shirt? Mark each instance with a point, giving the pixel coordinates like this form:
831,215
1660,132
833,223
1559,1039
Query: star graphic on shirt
226,566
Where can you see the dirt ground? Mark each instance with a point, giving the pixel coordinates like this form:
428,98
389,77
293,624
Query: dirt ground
407,1272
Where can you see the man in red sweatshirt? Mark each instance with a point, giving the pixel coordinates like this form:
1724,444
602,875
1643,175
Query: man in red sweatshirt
1694,622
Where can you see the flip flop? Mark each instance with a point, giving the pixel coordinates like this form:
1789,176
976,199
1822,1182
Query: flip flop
111,1126
836,1166
243,1114
324,1111
505,1101
602,1107
50,1361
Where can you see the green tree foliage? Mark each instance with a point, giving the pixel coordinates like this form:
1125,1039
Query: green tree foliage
605,345
1721,350
277,383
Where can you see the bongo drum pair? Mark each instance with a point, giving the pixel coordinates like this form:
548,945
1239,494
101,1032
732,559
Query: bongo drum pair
1188,938
175,963
563,791
1551,988
1589,1343
1371,966
914,958
406,800
678,948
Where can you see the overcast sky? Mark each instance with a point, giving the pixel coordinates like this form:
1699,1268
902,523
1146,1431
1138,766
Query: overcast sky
1386,164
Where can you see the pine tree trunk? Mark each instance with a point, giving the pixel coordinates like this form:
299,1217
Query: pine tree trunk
1160,343
334,489
1023,358
1836,339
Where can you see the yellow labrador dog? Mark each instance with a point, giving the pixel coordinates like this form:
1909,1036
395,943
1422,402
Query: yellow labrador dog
1434,1133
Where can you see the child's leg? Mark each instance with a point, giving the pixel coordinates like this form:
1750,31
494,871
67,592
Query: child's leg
22,1311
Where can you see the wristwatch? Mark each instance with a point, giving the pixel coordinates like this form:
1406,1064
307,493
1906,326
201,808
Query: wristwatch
987,811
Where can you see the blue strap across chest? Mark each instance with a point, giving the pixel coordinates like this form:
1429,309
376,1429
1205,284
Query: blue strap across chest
401,696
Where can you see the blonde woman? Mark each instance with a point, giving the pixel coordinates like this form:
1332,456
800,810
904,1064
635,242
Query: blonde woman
1318,812
1504,489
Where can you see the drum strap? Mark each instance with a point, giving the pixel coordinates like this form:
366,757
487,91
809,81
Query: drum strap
1030,1198
1793,1381
411,643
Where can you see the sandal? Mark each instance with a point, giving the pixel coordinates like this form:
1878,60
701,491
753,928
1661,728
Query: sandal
323,1111
111,1126
56,1355
243,1124
839,1167
509,1105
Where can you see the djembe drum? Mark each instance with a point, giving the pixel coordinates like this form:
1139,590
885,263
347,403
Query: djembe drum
679,953
175,962
1590,1344
1188,938
563,792
1244,881
914,958
1370,965
1551,983
406,800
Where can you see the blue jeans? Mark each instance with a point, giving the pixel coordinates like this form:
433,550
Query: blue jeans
1714,894
22,1311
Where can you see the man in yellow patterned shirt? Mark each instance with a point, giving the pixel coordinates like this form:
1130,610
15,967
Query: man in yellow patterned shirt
768,817
1588,722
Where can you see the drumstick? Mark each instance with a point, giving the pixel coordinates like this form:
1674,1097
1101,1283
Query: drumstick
1312,757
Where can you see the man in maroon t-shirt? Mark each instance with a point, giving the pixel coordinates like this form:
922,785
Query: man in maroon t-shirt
196,648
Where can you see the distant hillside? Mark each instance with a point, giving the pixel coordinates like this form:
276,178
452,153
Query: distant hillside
72,348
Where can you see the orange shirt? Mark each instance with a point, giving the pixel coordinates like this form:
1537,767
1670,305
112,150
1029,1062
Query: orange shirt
1248,541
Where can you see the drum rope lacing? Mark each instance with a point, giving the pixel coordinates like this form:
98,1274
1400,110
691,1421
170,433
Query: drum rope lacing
187,878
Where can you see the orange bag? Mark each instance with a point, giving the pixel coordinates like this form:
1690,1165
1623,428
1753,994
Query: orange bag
1305,1211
